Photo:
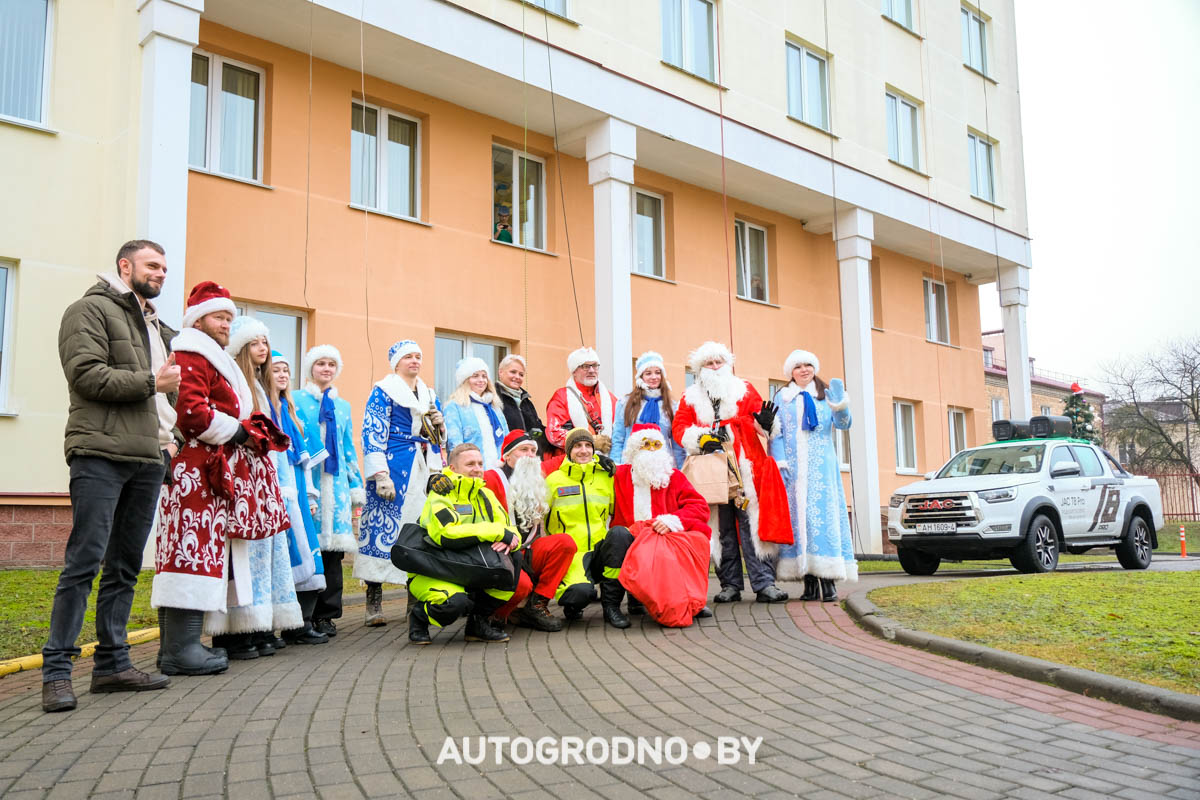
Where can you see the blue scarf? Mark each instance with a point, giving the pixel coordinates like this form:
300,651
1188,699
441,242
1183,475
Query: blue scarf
284,420
326,416
809,421
651,411
492,418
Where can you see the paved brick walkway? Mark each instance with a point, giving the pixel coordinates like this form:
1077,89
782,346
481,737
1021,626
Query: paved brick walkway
842,715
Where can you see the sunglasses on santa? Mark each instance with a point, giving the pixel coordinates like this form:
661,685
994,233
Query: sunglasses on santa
651,444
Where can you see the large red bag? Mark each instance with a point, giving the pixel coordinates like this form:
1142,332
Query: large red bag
668,572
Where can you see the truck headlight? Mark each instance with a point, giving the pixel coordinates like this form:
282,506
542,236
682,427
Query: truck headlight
896,501
998,495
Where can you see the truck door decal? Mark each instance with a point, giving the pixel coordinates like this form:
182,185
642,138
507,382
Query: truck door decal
1107,508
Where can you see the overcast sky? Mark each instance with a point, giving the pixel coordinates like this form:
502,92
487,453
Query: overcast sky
1110,106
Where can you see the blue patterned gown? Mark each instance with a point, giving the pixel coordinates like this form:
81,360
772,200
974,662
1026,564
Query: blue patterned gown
341,492
392,441
823,544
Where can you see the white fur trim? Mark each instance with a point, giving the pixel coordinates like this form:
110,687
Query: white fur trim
714,540
377,570
799,488
649,359
671,521
192,340
468,367
838,406
289,493
583,355
788,569
220,430
641,503
244,331
374,463
764,550
421,401
733,389
579,417
832,568
399,350
180,590
314,355
798,357
690,441
707,351
213,304
358,496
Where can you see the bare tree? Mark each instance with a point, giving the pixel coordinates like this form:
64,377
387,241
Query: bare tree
1155,407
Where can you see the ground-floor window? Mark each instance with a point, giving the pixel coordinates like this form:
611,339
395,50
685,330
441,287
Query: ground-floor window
289,332
450,348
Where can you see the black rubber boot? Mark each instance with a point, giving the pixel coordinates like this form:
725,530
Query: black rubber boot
480,629
418,626
828,590
812,588
572,613
611,594
182,652
264,643
162,628
634,606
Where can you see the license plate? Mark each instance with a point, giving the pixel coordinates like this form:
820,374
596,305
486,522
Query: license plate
936,527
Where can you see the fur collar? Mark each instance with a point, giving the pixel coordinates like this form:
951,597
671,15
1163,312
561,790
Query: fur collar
791,391
733,389
192,340
312,389
395,387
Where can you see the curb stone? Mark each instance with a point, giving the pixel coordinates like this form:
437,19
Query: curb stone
1073,679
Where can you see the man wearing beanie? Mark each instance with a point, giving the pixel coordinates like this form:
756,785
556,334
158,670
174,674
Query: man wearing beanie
519,486
584,403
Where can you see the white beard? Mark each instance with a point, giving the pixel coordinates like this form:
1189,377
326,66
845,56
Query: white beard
589,382
652,468
715,381
528,489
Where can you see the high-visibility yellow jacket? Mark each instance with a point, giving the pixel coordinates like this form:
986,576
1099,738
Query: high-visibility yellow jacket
581,505
467,515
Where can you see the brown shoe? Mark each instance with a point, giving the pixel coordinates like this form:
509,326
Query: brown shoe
58,696
129,680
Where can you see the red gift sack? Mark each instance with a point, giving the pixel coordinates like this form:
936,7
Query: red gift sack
668,572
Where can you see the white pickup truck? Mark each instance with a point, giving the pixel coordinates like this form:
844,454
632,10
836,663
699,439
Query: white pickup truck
1027,500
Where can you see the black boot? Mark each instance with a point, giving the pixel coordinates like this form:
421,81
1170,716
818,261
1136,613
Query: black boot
264,643
306,635
573,613
182,652
375,616
480,629
237,646
162,628
611,593
536,614
812,588
828,590
418,625
633,605
728,594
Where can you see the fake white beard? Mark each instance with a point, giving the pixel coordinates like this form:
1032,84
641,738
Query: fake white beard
589,382
714,381
528,489
652,468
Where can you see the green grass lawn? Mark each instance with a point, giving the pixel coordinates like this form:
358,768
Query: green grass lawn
1144,626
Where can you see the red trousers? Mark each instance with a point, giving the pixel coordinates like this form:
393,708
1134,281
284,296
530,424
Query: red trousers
550,556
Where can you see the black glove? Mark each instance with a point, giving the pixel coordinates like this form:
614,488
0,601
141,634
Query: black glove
606,464
722,434
439,483
766,416
241,436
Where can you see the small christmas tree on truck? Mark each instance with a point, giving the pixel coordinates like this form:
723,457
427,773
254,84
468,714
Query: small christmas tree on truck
1082,418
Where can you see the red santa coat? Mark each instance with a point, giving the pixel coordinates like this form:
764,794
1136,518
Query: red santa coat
678,504
598,405
770,518
218,490
497,481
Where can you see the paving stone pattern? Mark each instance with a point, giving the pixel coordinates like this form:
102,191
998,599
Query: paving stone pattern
842,715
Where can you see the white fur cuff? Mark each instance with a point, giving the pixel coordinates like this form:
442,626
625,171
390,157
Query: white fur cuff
358,496
671,521
838,406
374,463
690,441
221,429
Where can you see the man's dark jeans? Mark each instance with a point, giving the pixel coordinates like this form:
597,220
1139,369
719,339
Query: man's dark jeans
112,505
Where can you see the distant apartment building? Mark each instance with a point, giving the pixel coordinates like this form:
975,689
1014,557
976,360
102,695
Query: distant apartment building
1049,390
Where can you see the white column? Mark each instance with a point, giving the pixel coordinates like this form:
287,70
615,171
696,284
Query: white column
611,150
1014,297
169,31
853,231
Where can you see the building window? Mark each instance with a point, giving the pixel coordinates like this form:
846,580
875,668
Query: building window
450,348
225,131
1127,452
937,312
808,86
997,408
983,183
288,332
522,211
7,290
687,35
1045,411
25,59
649,254
899,11
904,131
841,443
750,245
553,6
906,436
957,419
989,358
384,148
974,40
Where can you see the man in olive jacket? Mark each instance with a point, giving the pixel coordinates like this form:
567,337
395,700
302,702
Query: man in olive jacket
119,438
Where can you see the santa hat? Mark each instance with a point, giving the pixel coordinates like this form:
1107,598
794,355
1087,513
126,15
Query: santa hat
640,433
707,351
469,366
243,331
514,438
279,358
647,360
400,349
584,355
207,297
798,357
1076,388
316,354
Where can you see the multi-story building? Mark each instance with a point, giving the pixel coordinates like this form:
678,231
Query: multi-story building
1049,390
839,177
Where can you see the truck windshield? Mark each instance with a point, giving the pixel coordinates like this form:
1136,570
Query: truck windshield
1011,460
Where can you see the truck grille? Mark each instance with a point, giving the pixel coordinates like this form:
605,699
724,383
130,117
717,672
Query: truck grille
956,508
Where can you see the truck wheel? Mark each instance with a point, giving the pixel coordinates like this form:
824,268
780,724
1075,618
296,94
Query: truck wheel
1134,550
1039,550
918,562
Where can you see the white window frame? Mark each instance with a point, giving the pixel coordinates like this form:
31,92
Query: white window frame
997,408
933,325
43,119
468,340
804,113
248,307
746,226
889,10
989,359
6,331
565,13
978,144
212,130
892,102
516,213
967,17
954,418
905,440
382,166
1045,411
687,46
841,445
662,229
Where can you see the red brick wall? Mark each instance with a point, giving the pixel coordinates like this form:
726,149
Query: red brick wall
33,536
